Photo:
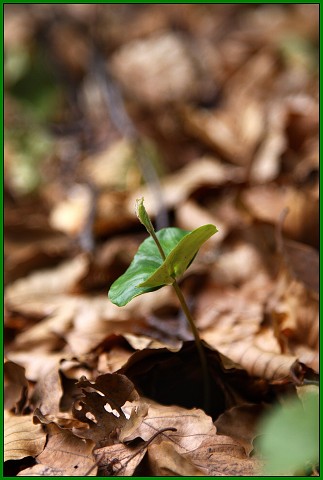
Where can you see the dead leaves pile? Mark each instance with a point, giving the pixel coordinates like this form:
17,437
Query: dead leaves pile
229,104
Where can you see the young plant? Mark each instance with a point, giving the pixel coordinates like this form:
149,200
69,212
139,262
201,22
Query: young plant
160,260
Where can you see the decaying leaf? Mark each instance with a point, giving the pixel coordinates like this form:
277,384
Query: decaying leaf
101,407
21,437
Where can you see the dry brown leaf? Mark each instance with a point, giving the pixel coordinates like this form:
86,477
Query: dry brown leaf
190,215
191,426
267,202
15,387
157,69
303,263
21,437
233,133
295,319
115,167
223,456
165,461
177,187
239,423
257,361
48,392
119,460
267,160
47,282
64,455
101,408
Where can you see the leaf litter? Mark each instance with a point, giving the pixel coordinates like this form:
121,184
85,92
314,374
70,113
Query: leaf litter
210,112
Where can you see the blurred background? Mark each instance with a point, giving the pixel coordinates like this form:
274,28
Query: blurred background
208,111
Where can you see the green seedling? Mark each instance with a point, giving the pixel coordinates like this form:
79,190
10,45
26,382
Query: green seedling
160,260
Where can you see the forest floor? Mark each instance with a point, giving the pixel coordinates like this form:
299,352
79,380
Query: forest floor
209,112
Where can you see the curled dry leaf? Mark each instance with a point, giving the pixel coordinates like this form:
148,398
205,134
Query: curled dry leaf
64,455
257,361
21,437
101,408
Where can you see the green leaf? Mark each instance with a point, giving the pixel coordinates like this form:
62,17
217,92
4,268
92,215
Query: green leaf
146,261
180,257
289,439
148,271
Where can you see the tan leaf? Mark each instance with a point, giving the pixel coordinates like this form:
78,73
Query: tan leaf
64,455
115,167
303,263
160,67
191,426
21,437
223,456
177,187
164,460
267,203
259,362
48,392
70,215
119,460
45,282
15,387
239,423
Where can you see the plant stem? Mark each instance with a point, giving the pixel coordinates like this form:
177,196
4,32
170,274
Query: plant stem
198,344
195,332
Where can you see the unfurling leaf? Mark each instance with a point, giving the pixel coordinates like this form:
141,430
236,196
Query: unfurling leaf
148,271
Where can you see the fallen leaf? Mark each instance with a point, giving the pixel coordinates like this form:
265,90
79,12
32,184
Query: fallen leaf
119,460
223,456
175,378
15,387
64,455
191,426
240,423
165,461
101,407
21,437
144,60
